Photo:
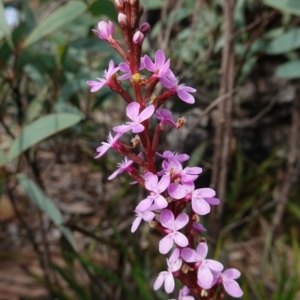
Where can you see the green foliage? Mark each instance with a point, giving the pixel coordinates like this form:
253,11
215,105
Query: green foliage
46,205
39,130
57,19
289,6
289,70
285,43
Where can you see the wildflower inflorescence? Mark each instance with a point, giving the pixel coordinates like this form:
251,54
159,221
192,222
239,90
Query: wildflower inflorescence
173,203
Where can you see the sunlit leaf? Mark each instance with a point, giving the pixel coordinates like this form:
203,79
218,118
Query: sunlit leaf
289,70
40,130
57,19
286,42
289,6
45,204
36,105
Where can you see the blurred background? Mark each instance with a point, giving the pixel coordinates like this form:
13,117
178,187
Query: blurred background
64,228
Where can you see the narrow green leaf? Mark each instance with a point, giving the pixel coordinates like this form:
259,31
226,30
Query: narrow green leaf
287,42
45,204
36,105
289,6
289,70
57,19
153,4
294,209
40,130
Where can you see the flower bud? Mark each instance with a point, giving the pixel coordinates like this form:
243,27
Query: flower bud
122,19
138,38
119,5
145,28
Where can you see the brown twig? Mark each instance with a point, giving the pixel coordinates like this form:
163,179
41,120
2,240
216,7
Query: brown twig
224,121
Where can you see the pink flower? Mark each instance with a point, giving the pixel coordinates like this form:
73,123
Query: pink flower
165,116
111,143
201,198
125,165
205,266
155,188
161,67
174,264
173,168
228,280
180,157
145,215
168,221
171,82
184,294
124,67
106,30
132,111
97,85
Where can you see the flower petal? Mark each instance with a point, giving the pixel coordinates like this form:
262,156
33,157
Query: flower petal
167,218
166,244
202,249
136,224
186,97
180,239
169,283
214,265
232,273
205,277
181,221
133,110
160,280
233,288
146,113
177,191
189,255
200,206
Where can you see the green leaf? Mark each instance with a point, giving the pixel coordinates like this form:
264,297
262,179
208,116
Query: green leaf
289,6
289,70
45,204
104,7
287,42
36,105
40,130
294,209
57,19
4,28
153,4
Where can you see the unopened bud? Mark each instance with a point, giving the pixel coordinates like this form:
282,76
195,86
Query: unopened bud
185,268
195,218
119,5
145,28
135,141
122,19
153,224
138,38
180,122
203,240
134,2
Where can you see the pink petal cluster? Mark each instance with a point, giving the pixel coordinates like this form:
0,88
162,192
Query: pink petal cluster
133,113
172,203
97,85
106,30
